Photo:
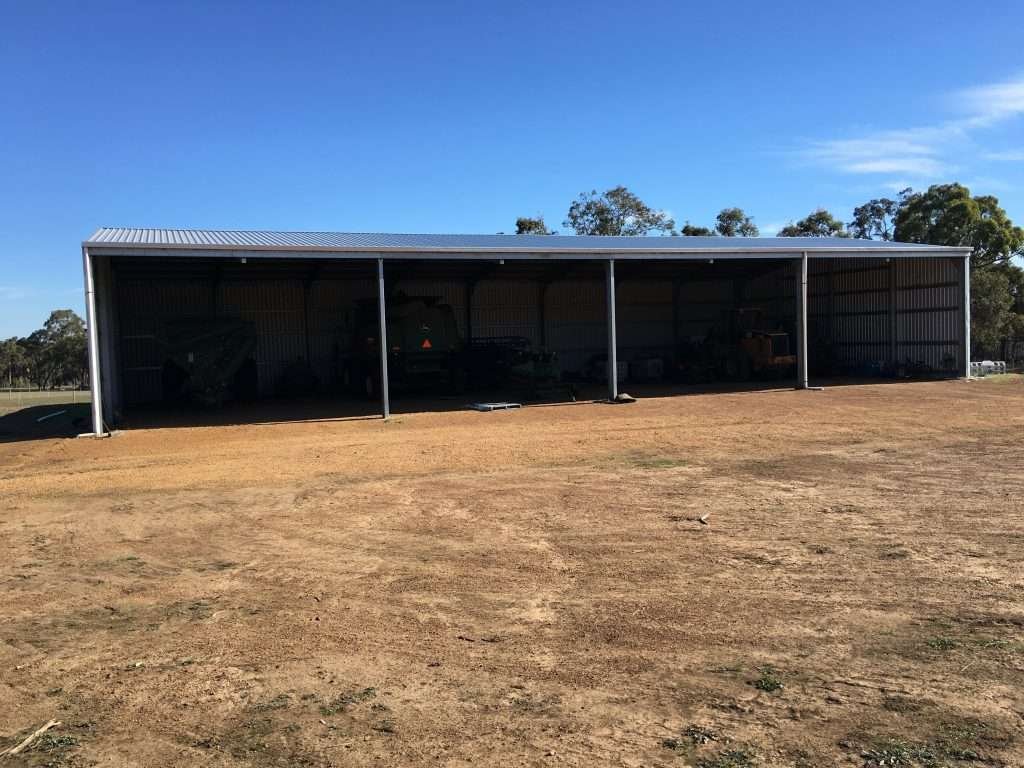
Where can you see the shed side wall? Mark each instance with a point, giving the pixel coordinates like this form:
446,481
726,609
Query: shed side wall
869,316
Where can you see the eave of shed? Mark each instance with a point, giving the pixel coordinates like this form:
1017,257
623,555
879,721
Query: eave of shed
240,243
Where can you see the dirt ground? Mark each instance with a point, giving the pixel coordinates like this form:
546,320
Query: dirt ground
528,588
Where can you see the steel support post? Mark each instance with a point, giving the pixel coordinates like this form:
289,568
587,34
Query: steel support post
613,361
893,324
967,316
94,344
801,324
385,400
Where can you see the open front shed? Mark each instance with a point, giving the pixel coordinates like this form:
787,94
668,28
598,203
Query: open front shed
303,311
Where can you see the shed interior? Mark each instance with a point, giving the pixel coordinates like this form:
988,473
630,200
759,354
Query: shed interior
301,330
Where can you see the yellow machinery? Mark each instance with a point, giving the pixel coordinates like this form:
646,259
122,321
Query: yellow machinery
751,351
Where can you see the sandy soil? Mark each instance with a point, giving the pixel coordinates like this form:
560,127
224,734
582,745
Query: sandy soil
528,588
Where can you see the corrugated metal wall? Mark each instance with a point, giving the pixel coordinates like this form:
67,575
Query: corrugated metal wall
507,308
701,304
144,305
872,316
854,325
644,314
277,307
929,313
774,292
575,321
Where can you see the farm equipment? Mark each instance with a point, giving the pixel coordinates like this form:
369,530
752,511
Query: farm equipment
511,362
695,363
747,350
740,348
424,348
208,360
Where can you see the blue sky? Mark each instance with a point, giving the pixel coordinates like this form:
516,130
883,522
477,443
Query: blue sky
459,117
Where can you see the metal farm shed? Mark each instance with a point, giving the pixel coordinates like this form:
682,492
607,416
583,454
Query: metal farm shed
860,305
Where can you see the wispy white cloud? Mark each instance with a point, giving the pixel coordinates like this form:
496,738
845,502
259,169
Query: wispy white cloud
925,152
889,152
915,152
988,104
1007,156
12,293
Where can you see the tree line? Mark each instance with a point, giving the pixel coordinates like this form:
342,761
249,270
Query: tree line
944,214
53,356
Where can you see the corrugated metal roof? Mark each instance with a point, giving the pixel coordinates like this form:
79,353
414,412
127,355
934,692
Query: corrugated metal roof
255,240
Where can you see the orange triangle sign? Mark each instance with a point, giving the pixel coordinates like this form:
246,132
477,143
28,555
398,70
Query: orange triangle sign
426,344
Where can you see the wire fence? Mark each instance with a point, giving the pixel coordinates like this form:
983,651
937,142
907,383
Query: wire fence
1013,353
17,398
